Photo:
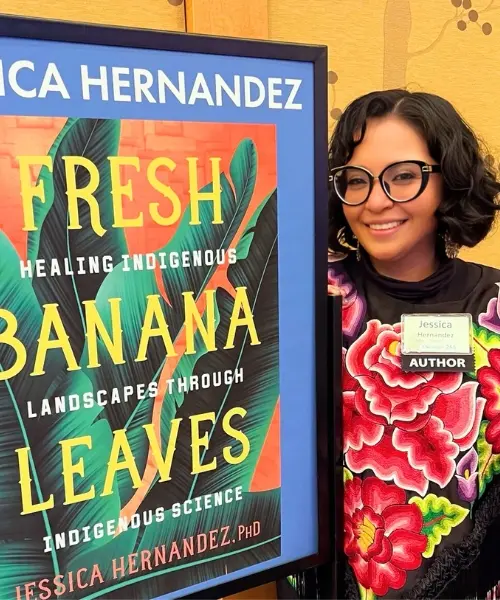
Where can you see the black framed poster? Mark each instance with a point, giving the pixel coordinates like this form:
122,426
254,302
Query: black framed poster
162,312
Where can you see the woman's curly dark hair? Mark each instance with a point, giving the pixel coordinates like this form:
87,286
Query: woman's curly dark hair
467,211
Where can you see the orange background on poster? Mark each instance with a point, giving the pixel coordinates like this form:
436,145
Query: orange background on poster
33,136
148,140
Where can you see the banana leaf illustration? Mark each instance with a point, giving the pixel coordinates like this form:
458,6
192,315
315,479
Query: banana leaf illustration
178,574
259,391
243,171
95,140
257,394
134,287
22,554
161,415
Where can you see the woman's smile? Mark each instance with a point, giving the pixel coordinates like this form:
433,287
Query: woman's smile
384,228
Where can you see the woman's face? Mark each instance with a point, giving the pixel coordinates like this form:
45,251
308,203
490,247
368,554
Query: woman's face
410,227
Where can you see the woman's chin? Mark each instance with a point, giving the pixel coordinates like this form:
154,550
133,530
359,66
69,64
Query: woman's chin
385,255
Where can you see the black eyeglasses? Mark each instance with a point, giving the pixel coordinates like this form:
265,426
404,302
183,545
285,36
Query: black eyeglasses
401,181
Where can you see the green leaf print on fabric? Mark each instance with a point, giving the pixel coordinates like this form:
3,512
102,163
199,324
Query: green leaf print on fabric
347,475
366,594
484,341
440,517
489,463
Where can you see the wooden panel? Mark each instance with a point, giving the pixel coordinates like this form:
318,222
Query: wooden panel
153,14
246,19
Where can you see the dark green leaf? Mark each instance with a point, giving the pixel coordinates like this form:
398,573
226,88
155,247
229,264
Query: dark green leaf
244,244
42,209
171,402
21,536
243,170
257,393
134,286
208,236
95,140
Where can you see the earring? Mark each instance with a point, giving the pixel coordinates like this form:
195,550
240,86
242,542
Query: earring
358,251
451,248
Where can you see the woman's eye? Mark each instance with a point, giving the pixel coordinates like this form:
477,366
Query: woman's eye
404,176
356,181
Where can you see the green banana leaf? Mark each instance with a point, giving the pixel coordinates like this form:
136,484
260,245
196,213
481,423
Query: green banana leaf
243,170
257,393
134,286
21,546
95,140
46,179
22,553
245,242
107,556
171,403
174,406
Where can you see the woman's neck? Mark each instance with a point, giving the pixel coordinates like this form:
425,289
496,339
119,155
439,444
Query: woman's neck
407,269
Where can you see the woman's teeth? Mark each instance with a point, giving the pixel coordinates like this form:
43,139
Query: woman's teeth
390,225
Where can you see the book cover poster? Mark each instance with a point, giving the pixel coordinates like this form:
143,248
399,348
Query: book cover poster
139,367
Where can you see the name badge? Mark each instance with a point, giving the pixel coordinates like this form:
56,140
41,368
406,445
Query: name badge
431,342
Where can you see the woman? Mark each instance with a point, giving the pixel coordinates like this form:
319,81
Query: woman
410,187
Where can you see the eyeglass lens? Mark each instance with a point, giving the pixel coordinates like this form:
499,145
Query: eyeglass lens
402,182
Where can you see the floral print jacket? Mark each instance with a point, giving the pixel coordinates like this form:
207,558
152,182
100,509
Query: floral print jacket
421,450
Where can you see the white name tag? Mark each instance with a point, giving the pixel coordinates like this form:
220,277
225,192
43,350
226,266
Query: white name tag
437,334
437,342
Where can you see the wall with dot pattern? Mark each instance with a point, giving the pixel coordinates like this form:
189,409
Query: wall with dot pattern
448,47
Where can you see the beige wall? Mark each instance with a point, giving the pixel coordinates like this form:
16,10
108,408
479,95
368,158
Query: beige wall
155,14
449,47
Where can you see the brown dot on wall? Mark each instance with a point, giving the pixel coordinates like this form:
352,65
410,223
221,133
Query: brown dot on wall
467,4
332,77
487,28
456,3
462,25
473,16
336,113
175,2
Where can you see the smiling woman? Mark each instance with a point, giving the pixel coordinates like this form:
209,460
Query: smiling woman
431,186
409,186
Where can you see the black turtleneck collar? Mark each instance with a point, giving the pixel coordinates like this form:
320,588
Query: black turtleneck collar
444,284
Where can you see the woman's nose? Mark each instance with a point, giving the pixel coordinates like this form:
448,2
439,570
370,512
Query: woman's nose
378,199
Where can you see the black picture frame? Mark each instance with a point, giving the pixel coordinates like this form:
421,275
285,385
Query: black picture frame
330,576
327,348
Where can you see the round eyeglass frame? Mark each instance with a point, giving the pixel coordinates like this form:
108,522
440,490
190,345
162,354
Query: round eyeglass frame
425,168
